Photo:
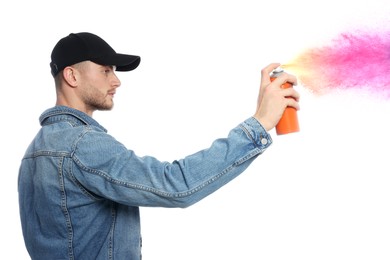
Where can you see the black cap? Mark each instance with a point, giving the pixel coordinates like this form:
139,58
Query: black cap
78,47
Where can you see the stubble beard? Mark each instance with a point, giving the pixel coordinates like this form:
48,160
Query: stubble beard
96,100
99,105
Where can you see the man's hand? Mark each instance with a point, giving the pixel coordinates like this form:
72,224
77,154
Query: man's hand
272,99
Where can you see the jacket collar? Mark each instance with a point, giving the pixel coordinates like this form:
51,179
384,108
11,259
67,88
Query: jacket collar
57,113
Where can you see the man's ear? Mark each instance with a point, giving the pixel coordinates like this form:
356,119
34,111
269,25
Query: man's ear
69,74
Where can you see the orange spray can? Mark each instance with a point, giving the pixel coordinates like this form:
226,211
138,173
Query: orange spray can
288,123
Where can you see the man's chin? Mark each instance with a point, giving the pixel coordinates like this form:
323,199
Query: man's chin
105,108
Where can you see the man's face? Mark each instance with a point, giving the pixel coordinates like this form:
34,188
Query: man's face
98,86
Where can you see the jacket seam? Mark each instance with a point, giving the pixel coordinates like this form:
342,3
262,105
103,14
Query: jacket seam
65,209
110,179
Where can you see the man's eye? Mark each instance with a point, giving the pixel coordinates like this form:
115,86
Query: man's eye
109,69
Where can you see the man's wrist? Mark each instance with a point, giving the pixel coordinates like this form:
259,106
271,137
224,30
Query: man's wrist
267,126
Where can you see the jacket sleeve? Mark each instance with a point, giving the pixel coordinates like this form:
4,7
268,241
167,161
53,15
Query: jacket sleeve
108,169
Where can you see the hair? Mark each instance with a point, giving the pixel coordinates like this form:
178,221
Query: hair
58,79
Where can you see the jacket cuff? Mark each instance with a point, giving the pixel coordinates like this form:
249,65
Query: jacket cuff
257,133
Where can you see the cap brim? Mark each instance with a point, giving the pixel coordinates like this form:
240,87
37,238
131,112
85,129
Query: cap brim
122,62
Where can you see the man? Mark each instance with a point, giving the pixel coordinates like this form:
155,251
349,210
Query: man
80,190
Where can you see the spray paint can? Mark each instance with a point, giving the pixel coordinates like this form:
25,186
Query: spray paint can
288,123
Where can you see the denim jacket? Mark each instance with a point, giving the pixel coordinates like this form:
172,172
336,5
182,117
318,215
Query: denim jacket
80,189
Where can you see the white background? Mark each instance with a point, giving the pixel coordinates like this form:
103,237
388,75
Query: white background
322,193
